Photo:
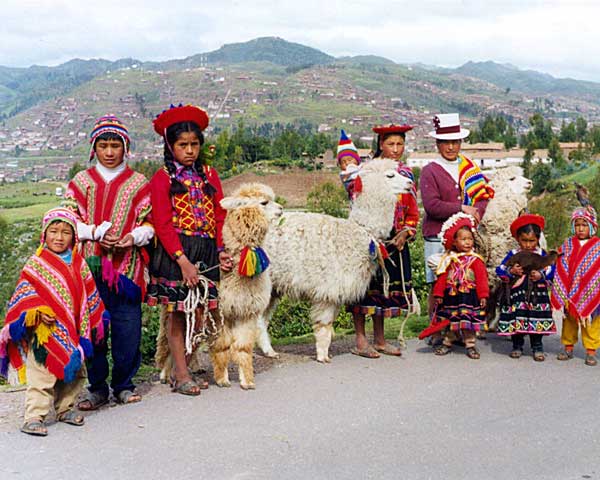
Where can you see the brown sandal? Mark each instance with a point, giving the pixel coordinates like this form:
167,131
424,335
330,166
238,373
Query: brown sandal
539,356
565,355
442,350
473,353
591,360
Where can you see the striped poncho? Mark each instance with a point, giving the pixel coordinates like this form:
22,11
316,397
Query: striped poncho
576,284
125,202
67,292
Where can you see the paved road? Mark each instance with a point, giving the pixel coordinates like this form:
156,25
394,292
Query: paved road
417,417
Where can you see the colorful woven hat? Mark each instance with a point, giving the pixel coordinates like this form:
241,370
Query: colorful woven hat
181,113
391,128
447,127
526,219
346,148
452,225
109,124
58,214
589,215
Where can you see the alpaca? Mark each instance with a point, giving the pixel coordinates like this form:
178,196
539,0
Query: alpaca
244,292
330,261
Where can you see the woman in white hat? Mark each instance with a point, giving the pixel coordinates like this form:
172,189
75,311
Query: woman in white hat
449,184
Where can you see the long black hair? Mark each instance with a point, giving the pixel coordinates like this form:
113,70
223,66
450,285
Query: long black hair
172,135
382,138
529,229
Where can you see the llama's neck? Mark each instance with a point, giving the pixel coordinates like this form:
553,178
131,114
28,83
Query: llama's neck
375,213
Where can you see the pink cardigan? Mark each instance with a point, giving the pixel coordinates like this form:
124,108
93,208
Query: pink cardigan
441,198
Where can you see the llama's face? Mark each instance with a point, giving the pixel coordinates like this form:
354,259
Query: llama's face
398,182
261,198
379,174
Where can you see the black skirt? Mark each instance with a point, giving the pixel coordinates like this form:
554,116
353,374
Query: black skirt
166,281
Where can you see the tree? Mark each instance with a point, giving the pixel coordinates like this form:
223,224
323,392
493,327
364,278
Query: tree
527,157
567,132
541,177
580,129
555,154
75,169
328,198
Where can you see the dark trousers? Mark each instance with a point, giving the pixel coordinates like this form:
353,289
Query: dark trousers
518,340
125,337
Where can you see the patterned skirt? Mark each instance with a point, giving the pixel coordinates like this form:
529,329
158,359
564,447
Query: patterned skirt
527,312
166,286
375,302
463,311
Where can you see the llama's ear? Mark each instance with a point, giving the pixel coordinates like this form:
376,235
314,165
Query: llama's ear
229,203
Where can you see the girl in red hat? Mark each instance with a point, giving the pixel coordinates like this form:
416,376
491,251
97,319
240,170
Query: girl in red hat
390,144
576,288
461,289
188,219
527,310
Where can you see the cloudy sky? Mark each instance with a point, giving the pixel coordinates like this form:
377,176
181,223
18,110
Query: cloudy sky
560,37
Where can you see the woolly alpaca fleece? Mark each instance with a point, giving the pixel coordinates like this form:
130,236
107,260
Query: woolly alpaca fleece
326,260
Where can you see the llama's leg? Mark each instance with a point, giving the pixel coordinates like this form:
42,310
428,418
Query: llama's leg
263,339
219,354
322,316
162,356
244,336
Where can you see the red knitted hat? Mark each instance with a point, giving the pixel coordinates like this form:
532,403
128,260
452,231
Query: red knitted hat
181,113
391,128
453,225
527,219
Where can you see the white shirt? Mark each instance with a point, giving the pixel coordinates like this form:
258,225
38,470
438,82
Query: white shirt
450,167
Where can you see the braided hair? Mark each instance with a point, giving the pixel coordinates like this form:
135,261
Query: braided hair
172,135
382,138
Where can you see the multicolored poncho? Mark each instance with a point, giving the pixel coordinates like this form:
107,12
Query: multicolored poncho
125,202
473,184
64,291
576,284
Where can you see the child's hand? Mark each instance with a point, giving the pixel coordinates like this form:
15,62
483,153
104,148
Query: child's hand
125,242
400,239
535,276
516,270
47,319
483,303
439,300
189,272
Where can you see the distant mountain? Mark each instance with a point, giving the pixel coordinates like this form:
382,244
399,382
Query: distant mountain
366,60
21,88
527,81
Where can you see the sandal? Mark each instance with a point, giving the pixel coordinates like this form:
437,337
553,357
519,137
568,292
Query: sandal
473,353
93,401
128,396
389,349
442,350
565,355
539,356
516,353
190,388
367,352
71,417
591,360
35,427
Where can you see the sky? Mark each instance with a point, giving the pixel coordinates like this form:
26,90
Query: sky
559,37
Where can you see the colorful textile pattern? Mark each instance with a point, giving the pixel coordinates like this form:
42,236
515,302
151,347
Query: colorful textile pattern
406,215
472,182
351,180
462,285
193,211
125,202
589,215
58,214
525,306
49,286
577,282
109,124
397,265
253,261
346,148
180,113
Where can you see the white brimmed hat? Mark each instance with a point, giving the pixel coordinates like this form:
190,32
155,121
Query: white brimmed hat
447,127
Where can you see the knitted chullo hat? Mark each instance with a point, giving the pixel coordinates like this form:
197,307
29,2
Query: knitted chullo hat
57,214
589,215
453,225
109,124
346,148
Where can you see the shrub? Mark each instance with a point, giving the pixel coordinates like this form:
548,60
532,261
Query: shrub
328,198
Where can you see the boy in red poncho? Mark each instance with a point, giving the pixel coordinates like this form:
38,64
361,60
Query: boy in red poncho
53,318
576,287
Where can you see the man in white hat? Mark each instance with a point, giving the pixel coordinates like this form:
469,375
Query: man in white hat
445,191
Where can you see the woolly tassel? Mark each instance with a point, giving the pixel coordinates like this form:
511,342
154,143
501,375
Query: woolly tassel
372,249
73,366
358,187
22,375
18,328
87,347
253,261
109,274
39,250
39,352
43,332
4,363
383,252
95,264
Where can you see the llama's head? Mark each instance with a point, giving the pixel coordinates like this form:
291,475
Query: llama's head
374,207
511,181
250,209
